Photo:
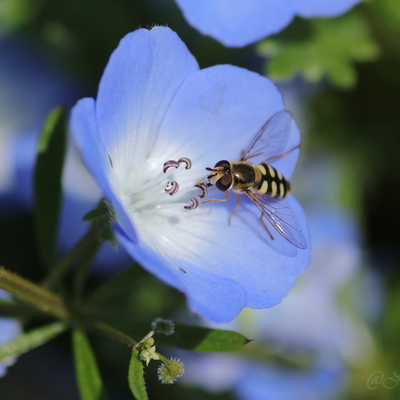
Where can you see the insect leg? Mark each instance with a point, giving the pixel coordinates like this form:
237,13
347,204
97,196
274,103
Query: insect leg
236,208
225,199
282,155
266,227
201,180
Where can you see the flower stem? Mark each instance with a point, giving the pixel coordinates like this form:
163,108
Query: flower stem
80,247
162,358
32,294
110,331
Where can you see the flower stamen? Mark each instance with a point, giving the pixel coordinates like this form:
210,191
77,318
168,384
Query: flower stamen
172,188
175,164
194,205
187,161
203,187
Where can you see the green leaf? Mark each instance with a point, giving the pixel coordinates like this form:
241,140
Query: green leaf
31,340
198,338
329,49
87,374
47,183
136,377
83,267
15,13
114,286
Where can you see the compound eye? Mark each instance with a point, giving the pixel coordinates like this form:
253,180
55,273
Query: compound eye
223,163
224,183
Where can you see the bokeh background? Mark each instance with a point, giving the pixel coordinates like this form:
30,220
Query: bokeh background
348,181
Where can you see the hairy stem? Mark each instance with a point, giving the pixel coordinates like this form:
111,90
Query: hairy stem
110,331
35,295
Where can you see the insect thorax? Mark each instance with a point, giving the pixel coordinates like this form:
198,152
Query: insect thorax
244,175
272,183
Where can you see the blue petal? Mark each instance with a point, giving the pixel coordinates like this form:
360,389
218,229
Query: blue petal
84,128
326,8
209,294
223,268
267,269
237,23
140,80
215,115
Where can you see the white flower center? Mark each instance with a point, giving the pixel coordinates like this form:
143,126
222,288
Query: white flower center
153,200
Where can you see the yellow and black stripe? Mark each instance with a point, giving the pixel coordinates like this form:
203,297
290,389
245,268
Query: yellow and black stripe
272,183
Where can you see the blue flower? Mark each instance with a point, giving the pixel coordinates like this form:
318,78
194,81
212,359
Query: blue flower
155,105
9,330
237,23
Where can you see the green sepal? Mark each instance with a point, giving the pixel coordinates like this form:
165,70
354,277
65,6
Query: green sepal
136,377
198,338
87,373
31,340
48,183
101,211
321,48
103,215
107,234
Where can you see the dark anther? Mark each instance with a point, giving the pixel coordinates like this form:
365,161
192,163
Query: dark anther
194,205
172,163
172,189
203,187
187,161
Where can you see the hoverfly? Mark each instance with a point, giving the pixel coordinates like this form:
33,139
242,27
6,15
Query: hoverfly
261,183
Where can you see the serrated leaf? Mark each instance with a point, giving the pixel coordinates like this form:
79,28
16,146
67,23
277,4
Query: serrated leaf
329,50
87,373
136,377
31,340
198,338
47,183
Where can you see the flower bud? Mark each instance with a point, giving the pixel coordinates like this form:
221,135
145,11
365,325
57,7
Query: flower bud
169,372
165,326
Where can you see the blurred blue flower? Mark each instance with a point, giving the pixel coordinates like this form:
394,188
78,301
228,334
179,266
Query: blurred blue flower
30,87
9,330
237,23
154,105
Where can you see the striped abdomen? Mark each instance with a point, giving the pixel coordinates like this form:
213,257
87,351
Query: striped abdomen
272,183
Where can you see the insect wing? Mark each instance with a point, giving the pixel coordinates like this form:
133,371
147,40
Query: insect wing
271,139
282,218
